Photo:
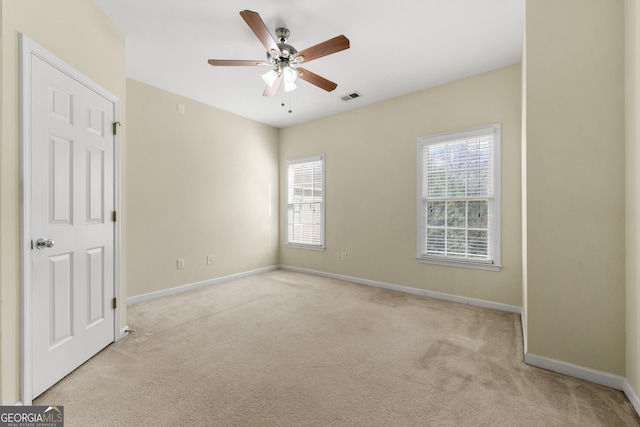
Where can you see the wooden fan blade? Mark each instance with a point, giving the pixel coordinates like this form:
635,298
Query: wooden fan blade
315,79
328,47
233,62
271,90
261,31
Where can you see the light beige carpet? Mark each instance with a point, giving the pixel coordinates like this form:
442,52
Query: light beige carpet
289,349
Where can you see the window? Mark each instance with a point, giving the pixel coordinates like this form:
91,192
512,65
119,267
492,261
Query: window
459,198
305,202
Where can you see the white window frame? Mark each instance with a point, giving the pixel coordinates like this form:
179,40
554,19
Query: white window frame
296,161
494,261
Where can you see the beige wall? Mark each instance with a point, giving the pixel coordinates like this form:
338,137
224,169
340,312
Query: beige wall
575,182
371,185
200,183
95,47
632,90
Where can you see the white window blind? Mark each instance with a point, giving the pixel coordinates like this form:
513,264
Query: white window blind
305,202
458,198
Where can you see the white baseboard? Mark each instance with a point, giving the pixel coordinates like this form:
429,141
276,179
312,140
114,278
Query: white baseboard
192,286
410,290
525,343
632,395
124,332
576,371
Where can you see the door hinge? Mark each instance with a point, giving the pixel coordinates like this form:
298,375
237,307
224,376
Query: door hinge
114,216
114,303
115,127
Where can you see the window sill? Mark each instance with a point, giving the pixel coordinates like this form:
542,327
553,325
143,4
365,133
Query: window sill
459,263
307,247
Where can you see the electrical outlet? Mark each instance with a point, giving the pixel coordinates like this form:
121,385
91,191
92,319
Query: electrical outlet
343,256
180,263
209,259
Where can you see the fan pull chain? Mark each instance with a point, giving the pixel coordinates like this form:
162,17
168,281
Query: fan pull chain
290,102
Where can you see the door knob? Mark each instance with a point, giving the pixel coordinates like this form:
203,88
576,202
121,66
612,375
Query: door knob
44,243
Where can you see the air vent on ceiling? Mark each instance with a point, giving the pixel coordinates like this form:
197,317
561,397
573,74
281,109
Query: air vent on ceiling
351,96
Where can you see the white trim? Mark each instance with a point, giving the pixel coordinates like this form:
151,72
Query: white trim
124,332
494,228
294,161
117,241
478,265
25,205
29,48
410,290
307,247
304,159
458,134
525,344
631,395
576,371
197,285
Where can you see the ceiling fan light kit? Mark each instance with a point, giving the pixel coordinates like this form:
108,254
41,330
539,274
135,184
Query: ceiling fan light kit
284,59
270,77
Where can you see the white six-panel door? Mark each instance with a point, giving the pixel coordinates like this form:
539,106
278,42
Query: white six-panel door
72,197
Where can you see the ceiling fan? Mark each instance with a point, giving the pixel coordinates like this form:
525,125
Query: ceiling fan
284,59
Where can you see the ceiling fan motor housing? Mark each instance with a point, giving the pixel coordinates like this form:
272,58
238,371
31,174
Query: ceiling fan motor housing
286,49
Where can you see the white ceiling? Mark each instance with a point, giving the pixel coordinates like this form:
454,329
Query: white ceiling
397,47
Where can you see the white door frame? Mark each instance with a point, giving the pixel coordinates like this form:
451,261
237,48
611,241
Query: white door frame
29,49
